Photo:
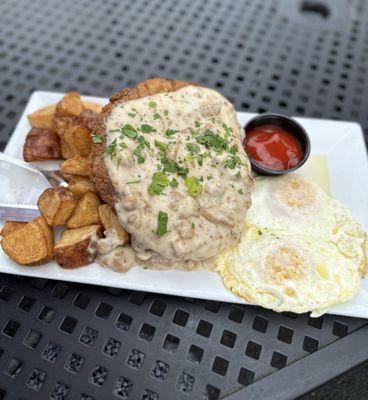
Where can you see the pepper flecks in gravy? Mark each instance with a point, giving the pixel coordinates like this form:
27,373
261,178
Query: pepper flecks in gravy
181,175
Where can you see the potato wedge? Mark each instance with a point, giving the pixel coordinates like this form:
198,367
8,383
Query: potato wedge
91,105
110,222
78,140
10,227
69,106
86,118
41,144
32,244
42,118
77,247
86,211
75,166
80,185
56,205
62,124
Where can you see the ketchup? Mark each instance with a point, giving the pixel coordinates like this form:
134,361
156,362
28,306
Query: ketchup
273,147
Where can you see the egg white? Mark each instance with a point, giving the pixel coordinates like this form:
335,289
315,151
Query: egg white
300,249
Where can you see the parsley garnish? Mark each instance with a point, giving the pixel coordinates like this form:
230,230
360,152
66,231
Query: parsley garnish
170,132
193,186
152,104
147,128
131,182
189,159
212,140
200,160
96,138
123,146
158,184
111,149
129,131
166,113
156,116
197,124
193,148
232,161
174,183
143,141
228,130
138,153
174,168
162,146
233,150
240,191
162,220
132,115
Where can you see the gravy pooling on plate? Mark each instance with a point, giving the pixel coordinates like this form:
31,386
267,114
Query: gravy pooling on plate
180,173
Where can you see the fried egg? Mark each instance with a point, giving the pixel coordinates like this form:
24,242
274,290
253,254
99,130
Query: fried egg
300,250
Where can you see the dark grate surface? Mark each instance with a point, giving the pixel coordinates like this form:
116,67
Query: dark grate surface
147,347
65,341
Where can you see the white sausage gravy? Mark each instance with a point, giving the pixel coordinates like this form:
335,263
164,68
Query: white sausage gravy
181,175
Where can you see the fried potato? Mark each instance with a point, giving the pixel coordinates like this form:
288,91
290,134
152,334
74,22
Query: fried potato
86,118
62,124
32,244
69,106
10,227
77,165
42,118
80,185
77,247
56,205
90,105
86,211
78,140
110,222
41,144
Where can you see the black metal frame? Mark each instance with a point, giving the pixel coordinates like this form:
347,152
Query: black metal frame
307,374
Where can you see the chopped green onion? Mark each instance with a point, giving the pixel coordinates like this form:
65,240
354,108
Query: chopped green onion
193,186
162,220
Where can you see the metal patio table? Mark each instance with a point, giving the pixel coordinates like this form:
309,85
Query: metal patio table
71,341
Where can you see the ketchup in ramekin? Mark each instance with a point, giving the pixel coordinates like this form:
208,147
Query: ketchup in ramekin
275,144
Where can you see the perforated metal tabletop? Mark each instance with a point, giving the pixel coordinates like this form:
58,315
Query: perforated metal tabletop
68,341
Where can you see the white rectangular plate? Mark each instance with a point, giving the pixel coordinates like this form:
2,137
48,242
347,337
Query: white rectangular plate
340,142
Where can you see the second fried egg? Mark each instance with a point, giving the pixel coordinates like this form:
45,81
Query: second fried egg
300,250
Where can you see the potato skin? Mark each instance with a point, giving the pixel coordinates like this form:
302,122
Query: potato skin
33,244
10,227
41,144
99,175
80,252
56,205
92,106
77,165
86,118
76,255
